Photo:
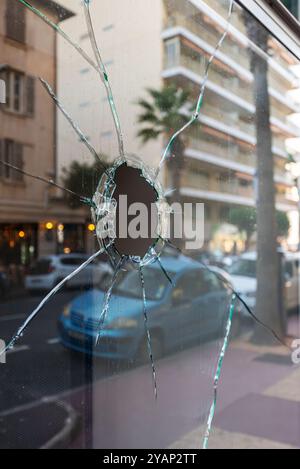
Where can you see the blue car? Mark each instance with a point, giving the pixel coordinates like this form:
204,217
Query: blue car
189,310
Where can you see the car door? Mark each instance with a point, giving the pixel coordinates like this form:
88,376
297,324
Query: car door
209,301
181,312
69,265
196,304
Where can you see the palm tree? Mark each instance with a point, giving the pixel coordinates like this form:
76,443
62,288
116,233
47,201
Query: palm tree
161,114
268,308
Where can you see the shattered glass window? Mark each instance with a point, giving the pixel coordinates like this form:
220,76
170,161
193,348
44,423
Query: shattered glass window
149,227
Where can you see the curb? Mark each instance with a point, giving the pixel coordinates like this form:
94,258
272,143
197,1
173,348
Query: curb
71,428
68,429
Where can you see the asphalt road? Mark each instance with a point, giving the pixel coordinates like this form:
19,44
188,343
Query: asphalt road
119,409
40,367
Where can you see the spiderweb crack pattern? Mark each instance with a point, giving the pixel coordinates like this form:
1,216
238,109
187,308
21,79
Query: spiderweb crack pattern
103,200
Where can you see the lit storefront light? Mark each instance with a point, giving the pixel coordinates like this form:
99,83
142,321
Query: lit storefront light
49,226
91,227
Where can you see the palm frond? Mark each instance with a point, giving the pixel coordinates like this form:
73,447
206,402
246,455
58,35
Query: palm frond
162,111
148,134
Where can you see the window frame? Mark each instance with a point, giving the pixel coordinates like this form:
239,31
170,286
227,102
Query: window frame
273,15
12,152
26,92
15,23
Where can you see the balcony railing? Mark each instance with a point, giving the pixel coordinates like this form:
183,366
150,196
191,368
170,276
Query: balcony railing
231,49
199,28
222,7
226,83
212,184
232,186
279,143
230,152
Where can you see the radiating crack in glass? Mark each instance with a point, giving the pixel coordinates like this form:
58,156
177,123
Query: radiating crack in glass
218,373
104,76
104,196
99,66
83,138
50,295
196,113
235,296
164,271
50,182
107,299
149,343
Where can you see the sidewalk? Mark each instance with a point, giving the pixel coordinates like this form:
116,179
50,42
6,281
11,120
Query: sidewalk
258,403
264,416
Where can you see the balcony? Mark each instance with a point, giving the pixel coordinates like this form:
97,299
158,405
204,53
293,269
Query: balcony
230,190
279,142
195,25
233,154
233,50
222,7
228,152
226,82
212,184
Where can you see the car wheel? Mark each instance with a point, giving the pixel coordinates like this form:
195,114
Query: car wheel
156,345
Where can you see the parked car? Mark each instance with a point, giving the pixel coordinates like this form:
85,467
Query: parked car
189,310
221,274
214,258
4,285
48,271
243,276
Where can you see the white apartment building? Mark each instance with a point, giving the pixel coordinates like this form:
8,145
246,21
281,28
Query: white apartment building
150,43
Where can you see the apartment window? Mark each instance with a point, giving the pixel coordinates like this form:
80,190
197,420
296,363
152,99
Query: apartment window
20,92
84,104
11,152
172,50
293,6
106,134
108,28
15,22
83,37
84,71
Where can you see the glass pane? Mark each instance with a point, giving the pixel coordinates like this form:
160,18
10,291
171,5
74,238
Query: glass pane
149,227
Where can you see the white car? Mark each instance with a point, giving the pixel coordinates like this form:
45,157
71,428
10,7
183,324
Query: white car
222,274
48,271
243,277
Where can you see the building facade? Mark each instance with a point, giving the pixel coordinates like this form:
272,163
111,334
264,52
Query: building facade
33,218
293,6
156,42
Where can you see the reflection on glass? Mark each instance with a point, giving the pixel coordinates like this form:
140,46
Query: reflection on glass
216,160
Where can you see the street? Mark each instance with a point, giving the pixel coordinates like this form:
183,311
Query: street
119,409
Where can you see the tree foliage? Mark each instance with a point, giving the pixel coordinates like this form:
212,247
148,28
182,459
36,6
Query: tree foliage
83,179
161,112
245,219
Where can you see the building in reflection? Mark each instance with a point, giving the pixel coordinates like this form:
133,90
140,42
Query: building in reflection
33,220
293,6
155,42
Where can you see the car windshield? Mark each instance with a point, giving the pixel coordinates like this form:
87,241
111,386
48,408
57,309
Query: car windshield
129,284
244,268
